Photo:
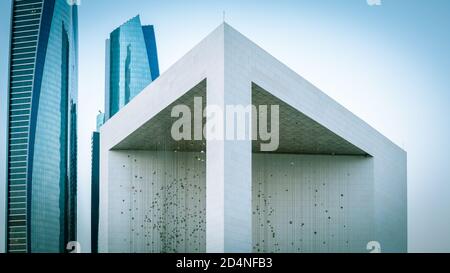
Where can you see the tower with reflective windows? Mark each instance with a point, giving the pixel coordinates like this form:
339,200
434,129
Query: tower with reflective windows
95,161
131,63
42,123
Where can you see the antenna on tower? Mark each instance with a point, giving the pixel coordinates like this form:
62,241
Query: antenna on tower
223,14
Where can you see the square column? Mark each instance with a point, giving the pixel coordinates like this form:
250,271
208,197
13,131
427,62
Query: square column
228,163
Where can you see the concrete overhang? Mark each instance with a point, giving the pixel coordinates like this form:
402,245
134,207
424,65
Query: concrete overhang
299,134
310,121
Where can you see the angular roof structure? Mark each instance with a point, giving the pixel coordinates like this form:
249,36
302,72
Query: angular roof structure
227,68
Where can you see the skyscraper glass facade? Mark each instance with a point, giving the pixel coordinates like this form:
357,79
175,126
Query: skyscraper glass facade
132,63
95,179
95,188
42,107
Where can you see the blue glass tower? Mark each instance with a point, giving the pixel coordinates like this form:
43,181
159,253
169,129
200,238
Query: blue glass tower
42,123
95,188
95,183
132,63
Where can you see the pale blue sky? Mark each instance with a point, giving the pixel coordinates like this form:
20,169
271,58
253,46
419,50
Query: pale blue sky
388,64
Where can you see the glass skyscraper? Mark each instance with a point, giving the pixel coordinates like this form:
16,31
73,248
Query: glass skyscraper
131,65
95,179
42,126
95,188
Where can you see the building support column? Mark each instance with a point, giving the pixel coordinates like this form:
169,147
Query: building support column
228,163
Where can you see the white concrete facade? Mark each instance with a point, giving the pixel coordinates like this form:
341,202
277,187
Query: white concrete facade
231,64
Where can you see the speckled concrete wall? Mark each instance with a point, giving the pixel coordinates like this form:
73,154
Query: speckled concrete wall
301,203
157,202
312,203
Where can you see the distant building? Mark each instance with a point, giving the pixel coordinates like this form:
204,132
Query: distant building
131,65
100,120
42,126
95,161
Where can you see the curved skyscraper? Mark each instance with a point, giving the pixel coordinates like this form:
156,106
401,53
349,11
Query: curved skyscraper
131,65
42,109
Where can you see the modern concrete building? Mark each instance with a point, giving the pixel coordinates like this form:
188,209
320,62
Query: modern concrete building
42,126
333,185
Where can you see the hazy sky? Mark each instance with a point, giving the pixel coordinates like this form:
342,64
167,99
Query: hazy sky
388,64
